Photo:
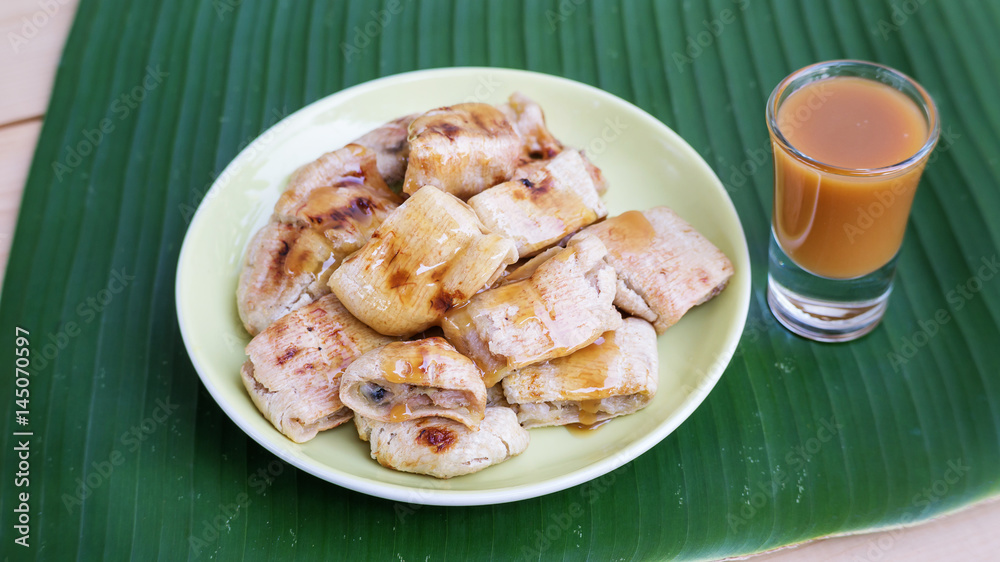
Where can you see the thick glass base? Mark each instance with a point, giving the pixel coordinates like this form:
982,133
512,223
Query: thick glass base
823,309
820,320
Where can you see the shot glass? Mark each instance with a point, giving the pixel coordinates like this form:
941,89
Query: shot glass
850,141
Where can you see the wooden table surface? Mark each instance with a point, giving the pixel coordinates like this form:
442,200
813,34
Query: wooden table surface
27,70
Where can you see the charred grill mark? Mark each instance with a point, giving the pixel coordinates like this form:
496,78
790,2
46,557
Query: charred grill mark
445,301
543,186
281,269
440,439
398,279
478,120
438,274
360,208
287,355
442,302
448,130
540,188
395,255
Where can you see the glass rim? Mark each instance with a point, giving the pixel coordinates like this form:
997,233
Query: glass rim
928,107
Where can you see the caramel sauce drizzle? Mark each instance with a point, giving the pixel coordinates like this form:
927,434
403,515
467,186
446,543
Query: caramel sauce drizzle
584,430
409,362
307,254
631,231
400,412
332,214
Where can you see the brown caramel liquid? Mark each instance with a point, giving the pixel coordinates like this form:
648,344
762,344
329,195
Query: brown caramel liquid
845,224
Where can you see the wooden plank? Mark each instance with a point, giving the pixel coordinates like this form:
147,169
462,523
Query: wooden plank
33,33
17,144
967,535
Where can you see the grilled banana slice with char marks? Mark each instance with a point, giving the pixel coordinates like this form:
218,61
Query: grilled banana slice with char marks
555,200
294,371
430,255
328,210
389,142
444,448
415,379
462,149
564,305
614,376
528,121
664,266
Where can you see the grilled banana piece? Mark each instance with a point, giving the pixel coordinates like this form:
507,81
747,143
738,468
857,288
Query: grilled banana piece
462,149
555,200
328,210
428,256
529,123
444,448
295,367
415,379
665,267
563,306
614,376
391,148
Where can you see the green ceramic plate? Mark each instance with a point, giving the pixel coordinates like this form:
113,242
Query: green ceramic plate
646,164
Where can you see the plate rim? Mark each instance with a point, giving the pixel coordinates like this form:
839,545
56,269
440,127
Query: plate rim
446,497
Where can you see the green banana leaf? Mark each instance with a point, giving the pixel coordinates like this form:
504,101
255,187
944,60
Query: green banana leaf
131,458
